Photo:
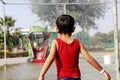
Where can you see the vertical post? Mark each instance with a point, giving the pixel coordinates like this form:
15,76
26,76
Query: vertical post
64,8
116,40
4,26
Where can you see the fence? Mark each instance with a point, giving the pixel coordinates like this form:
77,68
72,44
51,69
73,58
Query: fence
94,18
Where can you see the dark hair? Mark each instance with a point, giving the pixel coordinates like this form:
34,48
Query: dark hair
65,24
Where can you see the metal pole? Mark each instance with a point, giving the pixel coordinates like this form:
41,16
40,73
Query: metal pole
64,8
4,25
116,40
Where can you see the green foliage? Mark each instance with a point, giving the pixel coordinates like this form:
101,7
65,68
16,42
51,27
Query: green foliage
1,21
8,22
99,40
16,36
1,35
48,12
83,37
84,14
1,41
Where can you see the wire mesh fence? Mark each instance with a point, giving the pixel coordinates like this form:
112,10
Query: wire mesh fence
94,25
94,21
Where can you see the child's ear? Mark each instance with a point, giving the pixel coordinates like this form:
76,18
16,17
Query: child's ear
73,29
57,30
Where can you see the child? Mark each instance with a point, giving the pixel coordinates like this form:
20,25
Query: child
65,51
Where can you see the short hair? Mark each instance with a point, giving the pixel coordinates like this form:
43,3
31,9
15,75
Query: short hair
65,24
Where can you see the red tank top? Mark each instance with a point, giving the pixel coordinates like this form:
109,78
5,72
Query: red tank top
67,59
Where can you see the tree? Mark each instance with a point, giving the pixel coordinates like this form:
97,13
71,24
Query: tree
16,36
9,22
111,36
99,38
1,30
1,40
83,37
85,14
47,12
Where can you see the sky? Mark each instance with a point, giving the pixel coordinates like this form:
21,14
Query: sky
25,18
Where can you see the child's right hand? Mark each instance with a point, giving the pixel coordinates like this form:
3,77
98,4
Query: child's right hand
107,76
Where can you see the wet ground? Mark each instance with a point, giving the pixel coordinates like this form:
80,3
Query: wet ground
30,71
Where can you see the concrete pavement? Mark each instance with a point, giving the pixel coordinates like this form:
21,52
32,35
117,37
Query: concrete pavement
87,71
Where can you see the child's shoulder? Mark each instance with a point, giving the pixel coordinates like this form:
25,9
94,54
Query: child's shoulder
75,39
57,39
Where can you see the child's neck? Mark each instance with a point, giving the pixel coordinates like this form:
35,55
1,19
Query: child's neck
66,38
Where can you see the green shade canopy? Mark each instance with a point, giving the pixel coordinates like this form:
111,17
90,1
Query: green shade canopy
38,28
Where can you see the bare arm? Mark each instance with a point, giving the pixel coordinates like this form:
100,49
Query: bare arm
48,61
92,61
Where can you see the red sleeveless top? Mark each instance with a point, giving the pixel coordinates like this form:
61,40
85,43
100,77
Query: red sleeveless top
67,59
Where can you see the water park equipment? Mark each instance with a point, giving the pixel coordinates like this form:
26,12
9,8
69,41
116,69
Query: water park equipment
39,43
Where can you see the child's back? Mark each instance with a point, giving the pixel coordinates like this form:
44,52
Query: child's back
67,58
66,50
